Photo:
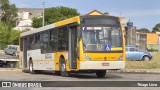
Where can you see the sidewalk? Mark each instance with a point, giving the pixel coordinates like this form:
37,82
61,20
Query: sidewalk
137,71
10,69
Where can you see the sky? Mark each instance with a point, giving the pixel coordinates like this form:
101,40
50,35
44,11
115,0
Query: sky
143,13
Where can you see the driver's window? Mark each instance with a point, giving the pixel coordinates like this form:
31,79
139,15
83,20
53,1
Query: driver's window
132,49
136,49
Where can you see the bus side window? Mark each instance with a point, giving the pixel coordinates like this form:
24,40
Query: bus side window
37,41
31,42
53,42
44,42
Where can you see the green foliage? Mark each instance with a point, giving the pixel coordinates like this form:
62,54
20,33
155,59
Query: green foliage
8,37
144,30
14,37
55,14
156,28
17,65
8,21
3,35
9,13
37,22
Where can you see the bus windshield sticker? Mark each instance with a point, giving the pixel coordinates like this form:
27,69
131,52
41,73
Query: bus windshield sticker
90,28
48,56
108,47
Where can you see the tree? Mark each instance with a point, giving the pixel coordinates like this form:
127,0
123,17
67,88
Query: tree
37,22
8,21
144,30
8,37
156,28
55,14
9,13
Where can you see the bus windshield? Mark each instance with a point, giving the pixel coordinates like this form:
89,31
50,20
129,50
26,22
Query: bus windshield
101,38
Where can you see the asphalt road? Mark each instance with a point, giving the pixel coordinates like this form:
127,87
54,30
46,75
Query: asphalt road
46,76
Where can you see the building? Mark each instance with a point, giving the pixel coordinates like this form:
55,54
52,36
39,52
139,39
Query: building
124,21
25,16
130,35
141,39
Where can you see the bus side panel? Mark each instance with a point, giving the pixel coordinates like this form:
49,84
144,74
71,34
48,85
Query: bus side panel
41,61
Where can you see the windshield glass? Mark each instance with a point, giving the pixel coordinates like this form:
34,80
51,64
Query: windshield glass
101,38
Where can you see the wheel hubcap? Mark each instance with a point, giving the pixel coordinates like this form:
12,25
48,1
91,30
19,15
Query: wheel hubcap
63,67
31,67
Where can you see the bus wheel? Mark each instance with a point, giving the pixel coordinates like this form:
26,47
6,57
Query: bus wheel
101,73
63,71
31,70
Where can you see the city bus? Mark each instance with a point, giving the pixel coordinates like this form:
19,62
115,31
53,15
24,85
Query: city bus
91,43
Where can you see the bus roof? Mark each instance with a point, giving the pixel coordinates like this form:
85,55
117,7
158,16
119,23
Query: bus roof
50,26
38,30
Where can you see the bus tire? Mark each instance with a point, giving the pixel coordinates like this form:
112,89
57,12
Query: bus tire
62,66
31,69
101,73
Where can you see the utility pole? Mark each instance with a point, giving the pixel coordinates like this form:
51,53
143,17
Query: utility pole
43,13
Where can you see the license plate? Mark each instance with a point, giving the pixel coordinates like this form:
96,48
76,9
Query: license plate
105,64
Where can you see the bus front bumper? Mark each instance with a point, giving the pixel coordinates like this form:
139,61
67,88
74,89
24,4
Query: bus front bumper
101,65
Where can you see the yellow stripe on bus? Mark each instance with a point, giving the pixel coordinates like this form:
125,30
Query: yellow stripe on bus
68,21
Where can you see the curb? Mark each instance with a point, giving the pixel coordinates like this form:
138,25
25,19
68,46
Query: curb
137,71
10,69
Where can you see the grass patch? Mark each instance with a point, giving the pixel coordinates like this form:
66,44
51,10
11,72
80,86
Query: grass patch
153,64
17,65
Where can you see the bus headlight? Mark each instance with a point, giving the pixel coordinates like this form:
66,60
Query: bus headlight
120,58
87,58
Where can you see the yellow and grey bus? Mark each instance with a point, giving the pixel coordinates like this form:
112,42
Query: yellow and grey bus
90,43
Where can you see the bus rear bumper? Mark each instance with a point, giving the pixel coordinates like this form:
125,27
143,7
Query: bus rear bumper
101,65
